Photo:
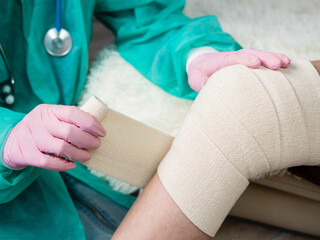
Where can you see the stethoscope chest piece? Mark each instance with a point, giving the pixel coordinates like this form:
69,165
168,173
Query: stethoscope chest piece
58,44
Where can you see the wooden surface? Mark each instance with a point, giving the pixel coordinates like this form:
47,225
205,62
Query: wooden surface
232,228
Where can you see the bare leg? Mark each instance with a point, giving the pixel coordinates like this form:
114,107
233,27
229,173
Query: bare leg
155,216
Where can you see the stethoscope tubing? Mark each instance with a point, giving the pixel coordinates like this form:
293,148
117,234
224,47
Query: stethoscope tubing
58,15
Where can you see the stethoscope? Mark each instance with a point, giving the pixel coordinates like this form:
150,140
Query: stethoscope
57,43
57,40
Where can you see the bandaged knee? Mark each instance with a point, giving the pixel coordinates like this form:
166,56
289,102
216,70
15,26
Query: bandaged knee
244,122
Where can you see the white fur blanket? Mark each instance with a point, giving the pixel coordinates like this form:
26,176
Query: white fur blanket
287,26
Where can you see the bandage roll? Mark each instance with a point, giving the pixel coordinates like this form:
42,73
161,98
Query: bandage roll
131,151
244,122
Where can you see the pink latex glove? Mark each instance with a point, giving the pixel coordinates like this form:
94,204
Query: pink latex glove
203,66
49,134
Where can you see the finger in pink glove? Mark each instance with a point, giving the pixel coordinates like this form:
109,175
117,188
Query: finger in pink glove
52,137
203,66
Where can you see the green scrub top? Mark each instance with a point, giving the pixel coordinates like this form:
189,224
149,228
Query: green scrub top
153,35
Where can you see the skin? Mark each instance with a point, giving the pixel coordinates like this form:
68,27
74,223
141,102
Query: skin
316,65
155,216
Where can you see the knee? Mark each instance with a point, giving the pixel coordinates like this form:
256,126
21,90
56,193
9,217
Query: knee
262,120
244,122
236,112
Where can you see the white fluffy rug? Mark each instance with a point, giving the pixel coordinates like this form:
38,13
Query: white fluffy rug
287,26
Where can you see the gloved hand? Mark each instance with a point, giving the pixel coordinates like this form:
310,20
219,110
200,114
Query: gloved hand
203,66
52,137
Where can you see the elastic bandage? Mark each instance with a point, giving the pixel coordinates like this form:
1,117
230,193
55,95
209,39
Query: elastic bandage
244,122
131,151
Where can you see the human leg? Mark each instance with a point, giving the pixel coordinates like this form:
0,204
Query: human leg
148,223
155,216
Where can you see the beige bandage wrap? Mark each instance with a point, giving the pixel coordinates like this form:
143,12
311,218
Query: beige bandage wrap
131,151
243,123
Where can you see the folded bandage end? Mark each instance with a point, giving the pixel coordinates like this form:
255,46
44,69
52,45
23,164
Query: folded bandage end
131,151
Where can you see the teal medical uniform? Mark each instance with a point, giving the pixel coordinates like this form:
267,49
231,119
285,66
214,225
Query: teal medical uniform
153,35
